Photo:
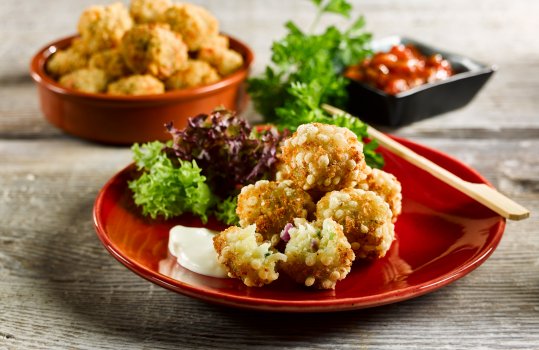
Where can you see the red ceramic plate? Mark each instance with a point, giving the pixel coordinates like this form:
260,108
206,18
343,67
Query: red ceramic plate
441,236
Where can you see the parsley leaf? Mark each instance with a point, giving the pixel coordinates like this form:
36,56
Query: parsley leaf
306,72
341,7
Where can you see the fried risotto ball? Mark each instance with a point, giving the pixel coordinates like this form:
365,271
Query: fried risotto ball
80,45
90,80
193,22
136,85
102,27
216,41
66,61
246,256
148,11
226,61
153,49
386,186
366,219
111,61
193,73
317,254
322,158
271,205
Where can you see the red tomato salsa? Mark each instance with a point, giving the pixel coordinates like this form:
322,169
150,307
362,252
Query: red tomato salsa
400,69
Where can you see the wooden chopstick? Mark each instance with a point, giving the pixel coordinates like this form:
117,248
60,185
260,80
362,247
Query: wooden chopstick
482,193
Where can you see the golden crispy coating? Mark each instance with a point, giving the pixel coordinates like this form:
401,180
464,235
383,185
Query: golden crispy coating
317,254
226,61
152,37
102,27
136,85
386,186
90,80
193,73
80,45
366,219
111,61
324,161
194,23
245,256
271,205
66,61
153,49
149,11
216,41
321,158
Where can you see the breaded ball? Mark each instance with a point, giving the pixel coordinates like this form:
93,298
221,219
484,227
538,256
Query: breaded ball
366,219
194,23
226,61
193,73
80,45
111,61
386,186
136,85
317,254
271,205
148,11
153,49
216,41
66,61
321,158
102,27
246,256
90,80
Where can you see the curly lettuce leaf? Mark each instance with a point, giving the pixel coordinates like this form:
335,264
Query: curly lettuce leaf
225,211
167,190
145,156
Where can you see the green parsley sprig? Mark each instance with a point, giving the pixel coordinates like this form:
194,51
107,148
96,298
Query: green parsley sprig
306,72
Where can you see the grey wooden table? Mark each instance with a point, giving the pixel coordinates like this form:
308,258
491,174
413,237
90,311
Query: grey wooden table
59,288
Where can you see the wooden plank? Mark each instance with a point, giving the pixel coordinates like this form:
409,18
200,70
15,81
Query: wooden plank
60,289
64,290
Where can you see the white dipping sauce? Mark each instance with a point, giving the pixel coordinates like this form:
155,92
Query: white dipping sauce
193,248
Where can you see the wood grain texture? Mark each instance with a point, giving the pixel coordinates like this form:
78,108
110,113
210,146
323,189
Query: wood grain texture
59,289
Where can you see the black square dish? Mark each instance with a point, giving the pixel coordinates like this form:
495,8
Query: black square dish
377,107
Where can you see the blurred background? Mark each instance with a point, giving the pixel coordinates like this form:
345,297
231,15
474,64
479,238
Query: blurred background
494,32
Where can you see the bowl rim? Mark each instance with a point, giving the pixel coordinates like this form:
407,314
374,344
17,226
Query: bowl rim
41,77
482,69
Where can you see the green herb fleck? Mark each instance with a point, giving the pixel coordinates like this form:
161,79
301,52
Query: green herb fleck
331,235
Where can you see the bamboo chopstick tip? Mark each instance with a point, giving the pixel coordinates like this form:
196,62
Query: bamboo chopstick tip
519,216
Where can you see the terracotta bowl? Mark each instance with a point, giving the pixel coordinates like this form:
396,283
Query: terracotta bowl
128,119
